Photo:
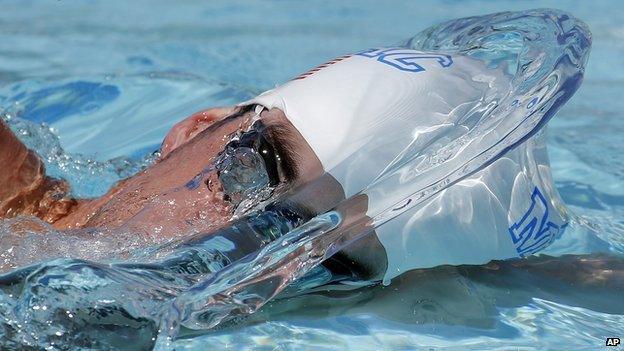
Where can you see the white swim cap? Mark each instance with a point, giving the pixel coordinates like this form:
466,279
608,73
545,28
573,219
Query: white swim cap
363,113
358,112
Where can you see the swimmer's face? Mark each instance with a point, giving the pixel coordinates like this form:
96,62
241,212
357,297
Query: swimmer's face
198,186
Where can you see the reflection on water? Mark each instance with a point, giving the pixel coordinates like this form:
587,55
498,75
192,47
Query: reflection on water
502,304
530,304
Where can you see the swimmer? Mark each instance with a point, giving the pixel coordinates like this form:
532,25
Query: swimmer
306,146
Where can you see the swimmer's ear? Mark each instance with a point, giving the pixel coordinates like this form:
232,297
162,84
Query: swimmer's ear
188,128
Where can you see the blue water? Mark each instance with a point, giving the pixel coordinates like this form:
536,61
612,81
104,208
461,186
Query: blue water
110,78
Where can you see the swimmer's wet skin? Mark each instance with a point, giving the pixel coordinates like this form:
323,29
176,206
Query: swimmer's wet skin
340,125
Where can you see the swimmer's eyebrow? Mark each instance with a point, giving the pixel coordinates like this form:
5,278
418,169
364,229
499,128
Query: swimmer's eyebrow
283,142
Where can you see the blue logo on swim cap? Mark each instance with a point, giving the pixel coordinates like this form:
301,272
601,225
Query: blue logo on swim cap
534,231
405,59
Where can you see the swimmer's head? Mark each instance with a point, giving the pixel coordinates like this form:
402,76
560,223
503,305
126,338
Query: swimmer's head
349,119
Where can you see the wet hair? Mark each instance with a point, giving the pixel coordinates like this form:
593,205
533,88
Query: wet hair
281,139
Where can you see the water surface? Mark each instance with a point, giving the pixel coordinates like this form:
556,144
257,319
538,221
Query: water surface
110,78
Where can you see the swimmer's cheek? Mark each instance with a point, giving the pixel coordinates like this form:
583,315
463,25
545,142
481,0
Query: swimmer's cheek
185,130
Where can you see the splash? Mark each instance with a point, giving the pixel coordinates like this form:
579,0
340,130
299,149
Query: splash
79,170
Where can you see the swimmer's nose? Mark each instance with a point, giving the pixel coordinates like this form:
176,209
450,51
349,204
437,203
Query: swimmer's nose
185,130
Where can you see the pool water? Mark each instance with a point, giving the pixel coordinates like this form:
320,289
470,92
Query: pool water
110,78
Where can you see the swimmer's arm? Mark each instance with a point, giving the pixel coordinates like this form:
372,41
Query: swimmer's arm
24,187
187,129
